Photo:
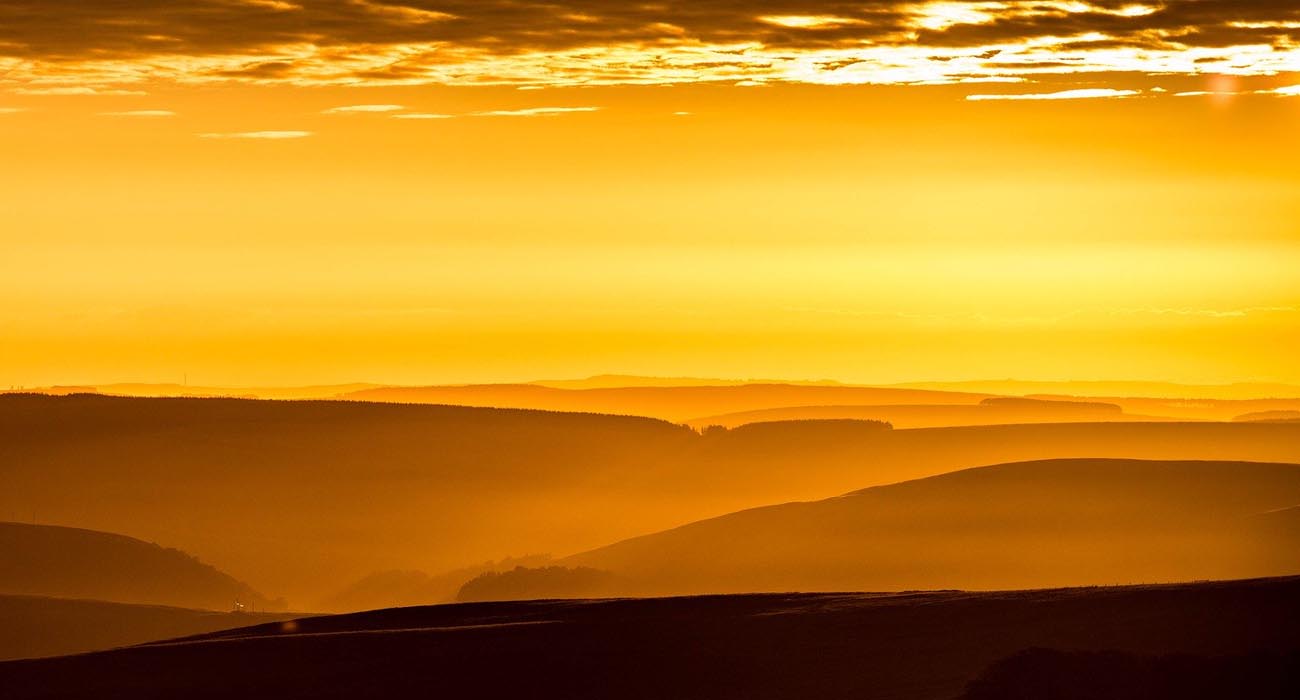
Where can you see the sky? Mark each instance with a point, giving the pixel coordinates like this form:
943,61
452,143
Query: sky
266,192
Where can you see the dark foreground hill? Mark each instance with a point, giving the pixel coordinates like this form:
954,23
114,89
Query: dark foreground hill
299,498
32,626
1023,525
1112,675
69,562
905,646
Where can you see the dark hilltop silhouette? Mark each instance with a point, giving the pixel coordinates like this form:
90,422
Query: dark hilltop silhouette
542,582
1113,675
900,646
34,626
385,589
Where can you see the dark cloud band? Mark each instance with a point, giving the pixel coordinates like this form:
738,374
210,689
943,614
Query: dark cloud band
273,36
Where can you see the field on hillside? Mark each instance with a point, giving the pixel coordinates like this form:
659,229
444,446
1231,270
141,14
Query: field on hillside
903,646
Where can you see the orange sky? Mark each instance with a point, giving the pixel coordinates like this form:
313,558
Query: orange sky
215,204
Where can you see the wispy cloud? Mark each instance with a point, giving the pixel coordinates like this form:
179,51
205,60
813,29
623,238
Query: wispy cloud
268,135
77,90
141,113
808,21
422,115
535,112
12,110
363,109
274,5
1084,94
1289,91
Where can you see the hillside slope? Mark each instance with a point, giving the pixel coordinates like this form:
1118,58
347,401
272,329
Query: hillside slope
919,646
675,403
1023,525
33,626
68,562
997,411
300,498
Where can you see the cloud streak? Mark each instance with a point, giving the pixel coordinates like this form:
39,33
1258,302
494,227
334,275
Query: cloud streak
363,109
535,112
146,113
257,135
1084,94
77,90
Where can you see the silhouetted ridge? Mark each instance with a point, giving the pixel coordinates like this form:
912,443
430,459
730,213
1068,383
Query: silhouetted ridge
1050,405
390,589
752,438
32,626
900,646
546,582
676,403
1021,525
1269,416
75,563
304,497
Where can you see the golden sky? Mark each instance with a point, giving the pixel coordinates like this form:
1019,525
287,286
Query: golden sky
267,192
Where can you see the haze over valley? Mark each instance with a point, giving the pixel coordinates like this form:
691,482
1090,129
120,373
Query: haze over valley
673,350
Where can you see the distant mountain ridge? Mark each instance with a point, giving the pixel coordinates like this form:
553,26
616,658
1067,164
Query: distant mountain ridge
301,498
1111,388
990,411
673,403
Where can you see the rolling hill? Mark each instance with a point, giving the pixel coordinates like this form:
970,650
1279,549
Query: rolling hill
901,646
1113,675
186,390
690,402
673,403
1269,416
391,589
1022,525
33,626
995,411
1172,390
66,562
301,497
